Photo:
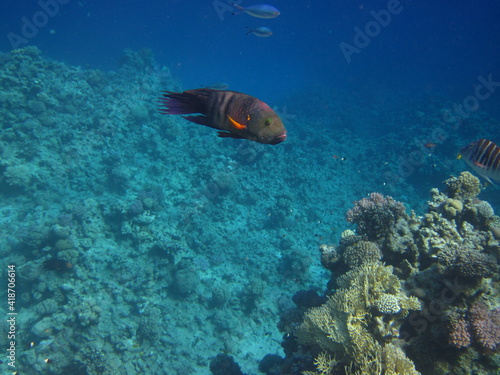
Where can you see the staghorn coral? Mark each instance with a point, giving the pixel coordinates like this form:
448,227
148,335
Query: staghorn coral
376,215
465,186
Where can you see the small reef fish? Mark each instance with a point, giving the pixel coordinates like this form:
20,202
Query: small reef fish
259,11
237,115
263,32
483,157
217,86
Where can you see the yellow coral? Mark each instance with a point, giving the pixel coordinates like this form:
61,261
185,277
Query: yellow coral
325,326
349,325
361,252
396,362
347,233
465,186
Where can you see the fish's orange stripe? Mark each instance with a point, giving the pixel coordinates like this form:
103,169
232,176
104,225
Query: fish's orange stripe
237,125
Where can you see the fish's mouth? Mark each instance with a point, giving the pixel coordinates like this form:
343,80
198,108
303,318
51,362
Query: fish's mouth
278,139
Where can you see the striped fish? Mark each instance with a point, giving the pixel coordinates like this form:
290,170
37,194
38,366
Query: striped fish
484,158
237,115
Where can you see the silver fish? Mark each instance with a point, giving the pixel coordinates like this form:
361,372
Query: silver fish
263,32
217,86
259,11
483,157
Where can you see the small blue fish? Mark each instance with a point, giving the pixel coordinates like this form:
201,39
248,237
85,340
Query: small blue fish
259,11
263,32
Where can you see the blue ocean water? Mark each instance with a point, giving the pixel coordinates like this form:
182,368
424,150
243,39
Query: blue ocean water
143,243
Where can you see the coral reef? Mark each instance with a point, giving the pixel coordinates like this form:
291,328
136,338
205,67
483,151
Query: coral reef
375,216
117,217
465,186
485,326
360,319
425,307
361,252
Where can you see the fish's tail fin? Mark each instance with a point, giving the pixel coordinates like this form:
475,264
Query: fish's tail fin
181,103
238,7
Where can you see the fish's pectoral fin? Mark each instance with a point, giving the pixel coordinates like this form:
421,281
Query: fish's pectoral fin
488,179
236,124
228,135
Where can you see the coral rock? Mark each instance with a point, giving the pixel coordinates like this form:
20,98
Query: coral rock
460,333
361,252
387,304
466,186
485,326
376,215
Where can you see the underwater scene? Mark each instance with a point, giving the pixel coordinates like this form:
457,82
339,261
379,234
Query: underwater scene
250,188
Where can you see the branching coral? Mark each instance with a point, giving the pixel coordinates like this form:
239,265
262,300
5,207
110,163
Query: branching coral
376,215
485,326
466,186
448,257
459,334
480,326
351,324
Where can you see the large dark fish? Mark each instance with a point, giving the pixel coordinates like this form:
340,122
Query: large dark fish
238,115
484,157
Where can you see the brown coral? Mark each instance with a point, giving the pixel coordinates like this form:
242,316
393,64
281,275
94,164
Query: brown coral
459,334
376,215
468,263
465,186
361,252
